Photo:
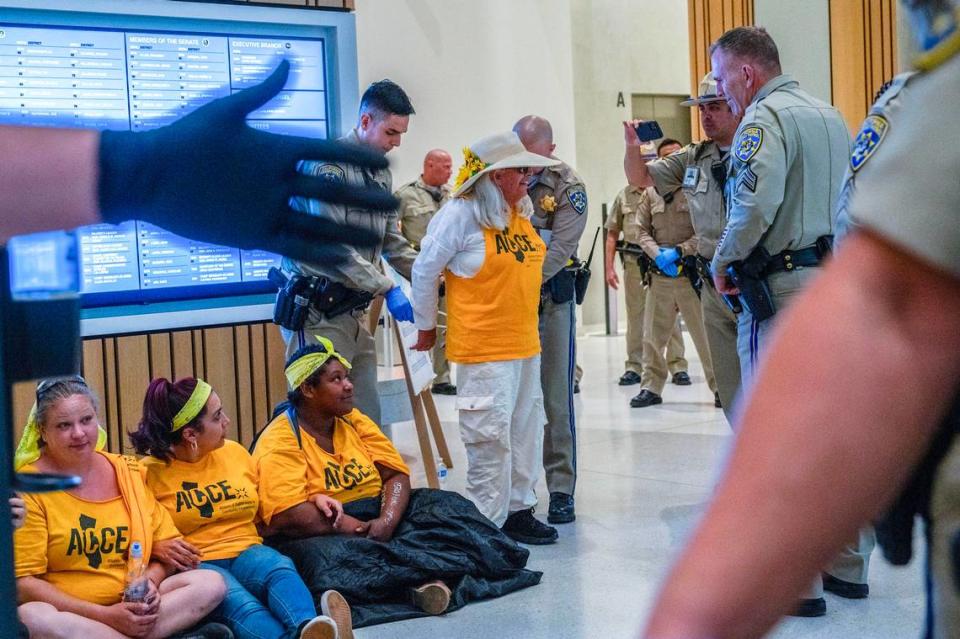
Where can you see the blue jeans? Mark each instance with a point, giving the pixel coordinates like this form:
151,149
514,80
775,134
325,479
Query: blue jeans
266,598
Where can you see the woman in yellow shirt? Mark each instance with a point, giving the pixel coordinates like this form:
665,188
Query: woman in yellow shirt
72,553
395,553
490,257
208,484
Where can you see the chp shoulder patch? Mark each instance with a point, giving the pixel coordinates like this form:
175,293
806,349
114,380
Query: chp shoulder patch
578,198
331,172
749,143
871,134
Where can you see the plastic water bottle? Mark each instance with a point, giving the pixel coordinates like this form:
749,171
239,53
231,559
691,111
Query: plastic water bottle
136,586
442,475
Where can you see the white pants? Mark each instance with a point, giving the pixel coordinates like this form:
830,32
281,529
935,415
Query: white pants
501,424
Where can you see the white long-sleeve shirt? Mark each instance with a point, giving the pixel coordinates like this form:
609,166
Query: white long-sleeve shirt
454,242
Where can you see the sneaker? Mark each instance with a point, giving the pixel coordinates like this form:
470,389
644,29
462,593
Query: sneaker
522,526
333,605
629,379
561,509
443,388
207,631
845,589
716,400
320,627
433,598
645,398
680,378
810,608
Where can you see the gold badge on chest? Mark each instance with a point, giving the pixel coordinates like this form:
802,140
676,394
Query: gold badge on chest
548,203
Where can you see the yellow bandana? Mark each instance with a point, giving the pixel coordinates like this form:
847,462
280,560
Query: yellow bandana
28,450
198,399
299,370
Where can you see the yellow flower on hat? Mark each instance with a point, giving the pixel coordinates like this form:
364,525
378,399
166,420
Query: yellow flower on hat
548,203
472,164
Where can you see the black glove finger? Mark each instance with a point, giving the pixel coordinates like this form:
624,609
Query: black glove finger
328,151
339,193
298,248
317,230
252,98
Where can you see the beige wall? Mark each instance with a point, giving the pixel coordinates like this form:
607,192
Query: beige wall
802,33
629,46
471,69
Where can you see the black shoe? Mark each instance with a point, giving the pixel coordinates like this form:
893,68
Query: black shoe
576,387
645,398
629,379
522,526
443,388
845,589
205,631
680,378
716,400
561,509
810,608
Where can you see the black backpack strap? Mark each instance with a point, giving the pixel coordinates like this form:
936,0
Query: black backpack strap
292,418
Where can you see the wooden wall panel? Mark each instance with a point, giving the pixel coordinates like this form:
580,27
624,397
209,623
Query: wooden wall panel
708,19
221,371
244,364
863,53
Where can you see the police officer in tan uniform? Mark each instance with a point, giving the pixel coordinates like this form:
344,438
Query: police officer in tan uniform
787,167
839,448
559,215
699,170
666,235
419,202
624,219
345,289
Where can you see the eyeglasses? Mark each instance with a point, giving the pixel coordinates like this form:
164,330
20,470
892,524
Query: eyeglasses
45,385
523,170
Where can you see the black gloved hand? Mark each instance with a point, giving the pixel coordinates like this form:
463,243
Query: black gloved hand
210,177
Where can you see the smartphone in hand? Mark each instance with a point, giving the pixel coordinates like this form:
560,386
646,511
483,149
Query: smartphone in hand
648,131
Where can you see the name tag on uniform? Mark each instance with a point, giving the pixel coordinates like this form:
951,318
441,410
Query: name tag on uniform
691,176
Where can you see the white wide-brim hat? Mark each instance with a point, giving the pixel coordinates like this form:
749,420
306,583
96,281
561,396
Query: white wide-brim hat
708,92
500,151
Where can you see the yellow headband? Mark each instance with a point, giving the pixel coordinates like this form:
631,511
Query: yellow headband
28,450
198,399
300,369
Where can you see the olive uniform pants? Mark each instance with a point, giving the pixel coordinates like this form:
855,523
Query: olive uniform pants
664,296
636,297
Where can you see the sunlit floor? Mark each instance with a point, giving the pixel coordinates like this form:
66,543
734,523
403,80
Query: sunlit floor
644,476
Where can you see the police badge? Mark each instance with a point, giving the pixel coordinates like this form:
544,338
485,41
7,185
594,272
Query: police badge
330,172
578,199
871,135
749,143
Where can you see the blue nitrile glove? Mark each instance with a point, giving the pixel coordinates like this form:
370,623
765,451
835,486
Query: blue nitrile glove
210,177
399,305
667,261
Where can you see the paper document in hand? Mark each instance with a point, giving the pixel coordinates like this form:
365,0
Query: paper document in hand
419,362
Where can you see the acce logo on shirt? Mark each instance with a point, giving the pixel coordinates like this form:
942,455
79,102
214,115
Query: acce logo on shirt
516,245
347,477
94,543
203,499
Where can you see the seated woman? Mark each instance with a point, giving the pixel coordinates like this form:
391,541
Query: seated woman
395,553
209,486
72,552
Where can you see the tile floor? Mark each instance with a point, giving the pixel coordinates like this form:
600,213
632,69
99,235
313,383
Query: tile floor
644,475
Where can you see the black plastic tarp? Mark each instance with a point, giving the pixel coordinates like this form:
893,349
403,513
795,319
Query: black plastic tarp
442,536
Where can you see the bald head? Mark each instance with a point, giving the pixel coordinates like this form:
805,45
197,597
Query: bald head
437,167
536,134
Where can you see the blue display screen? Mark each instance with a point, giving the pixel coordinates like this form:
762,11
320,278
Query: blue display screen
136,80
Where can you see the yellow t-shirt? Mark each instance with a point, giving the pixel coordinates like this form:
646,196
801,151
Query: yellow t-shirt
80,546
290,474
213,501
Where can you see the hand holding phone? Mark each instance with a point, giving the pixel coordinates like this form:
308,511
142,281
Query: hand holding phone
648,131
